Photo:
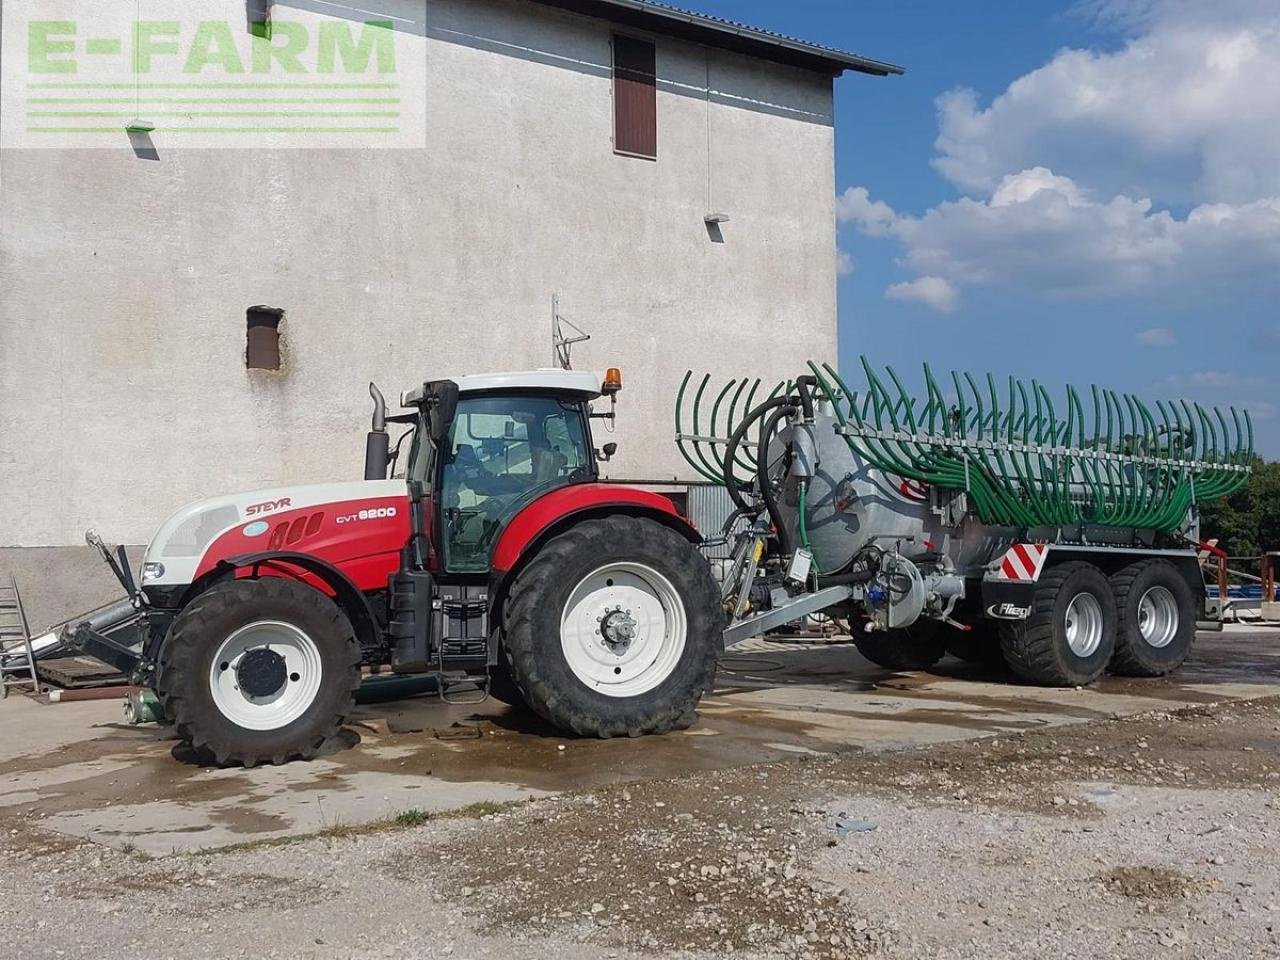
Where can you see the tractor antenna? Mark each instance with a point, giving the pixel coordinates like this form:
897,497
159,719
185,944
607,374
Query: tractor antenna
560,344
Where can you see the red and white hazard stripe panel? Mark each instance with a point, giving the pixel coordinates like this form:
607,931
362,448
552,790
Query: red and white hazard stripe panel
1024,561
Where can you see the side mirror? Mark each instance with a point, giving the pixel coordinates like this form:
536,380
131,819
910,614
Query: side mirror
606,452
442,407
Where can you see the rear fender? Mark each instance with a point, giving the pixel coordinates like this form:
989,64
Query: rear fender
556,512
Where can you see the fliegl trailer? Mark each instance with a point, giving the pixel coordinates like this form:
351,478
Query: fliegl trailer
483,550
984,521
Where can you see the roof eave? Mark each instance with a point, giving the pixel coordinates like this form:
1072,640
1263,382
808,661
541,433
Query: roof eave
643,14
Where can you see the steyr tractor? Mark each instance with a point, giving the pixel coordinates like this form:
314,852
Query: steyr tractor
494,552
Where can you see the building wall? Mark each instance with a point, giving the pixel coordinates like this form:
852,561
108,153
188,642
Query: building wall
124,281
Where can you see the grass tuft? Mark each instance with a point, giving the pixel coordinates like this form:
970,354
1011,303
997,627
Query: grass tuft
411,818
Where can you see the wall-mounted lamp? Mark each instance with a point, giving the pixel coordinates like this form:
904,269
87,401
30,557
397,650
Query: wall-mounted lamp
716,218
137,125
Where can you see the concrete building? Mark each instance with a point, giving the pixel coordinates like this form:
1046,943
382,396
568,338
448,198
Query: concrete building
585,148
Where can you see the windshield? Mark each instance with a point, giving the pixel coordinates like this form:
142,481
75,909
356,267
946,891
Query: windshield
503,452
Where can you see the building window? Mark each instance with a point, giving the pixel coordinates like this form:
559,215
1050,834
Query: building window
262,351
635,97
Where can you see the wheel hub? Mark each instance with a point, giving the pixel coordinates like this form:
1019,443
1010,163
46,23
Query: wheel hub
1084,625
261,672
618,628
1158,617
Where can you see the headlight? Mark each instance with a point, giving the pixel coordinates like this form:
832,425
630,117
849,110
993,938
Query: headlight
152,571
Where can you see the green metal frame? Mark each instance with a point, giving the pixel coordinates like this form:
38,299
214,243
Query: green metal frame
1023,464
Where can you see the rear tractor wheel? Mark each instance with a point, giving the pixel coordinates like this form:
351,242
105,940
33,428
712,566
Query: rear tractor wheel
1071,633
615,628
259,671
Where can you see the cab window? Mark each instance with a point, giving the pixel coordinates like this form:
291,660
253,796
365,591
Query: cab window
504,452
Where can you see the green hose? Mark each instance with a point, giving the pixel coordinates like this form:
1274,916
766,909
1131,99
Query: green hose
1019,462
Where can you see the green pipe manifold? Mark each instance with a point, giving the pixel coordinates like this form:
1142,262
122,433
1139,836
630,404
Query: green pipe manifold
1022,461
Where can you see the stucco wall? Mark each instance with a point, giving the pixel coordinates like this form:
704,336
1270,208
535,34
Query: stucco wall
124,281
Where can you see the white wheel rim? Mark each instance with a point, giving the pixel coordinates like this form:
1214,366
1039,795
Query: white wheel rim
1158,617
280,707
1084,625
624,630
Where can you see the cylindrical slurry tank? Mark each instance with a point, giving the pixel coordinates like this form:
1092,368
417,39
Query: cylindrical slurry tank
851,505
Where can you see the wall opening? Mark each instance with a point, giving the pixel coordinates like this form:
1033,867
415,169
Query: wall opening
262,348
635,97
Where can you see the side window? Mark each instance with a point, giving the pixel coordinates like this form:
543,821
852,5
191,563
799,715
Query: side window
504,452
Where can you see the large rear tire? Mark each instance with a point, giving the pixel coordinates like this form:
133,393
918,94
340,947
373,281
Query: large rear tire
1157,619
259,671
615,628
917,647
1071,633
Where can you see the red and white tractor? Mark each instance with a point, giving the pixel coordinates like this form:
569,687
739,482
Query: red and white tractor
495,552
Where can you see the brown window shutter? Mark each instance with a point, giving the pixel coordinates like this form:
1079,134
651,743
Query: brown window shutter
635,97
263,348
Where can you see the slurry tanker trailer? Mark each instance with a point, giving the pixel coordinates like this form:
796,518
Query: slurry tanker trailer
484,550
983,520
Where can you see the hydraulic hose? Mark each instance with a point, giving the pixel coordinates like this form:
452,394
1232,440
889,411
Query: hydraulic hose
731,483
765,483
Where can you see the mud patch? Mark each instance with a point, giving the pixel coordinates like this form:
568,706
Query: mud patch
1155,884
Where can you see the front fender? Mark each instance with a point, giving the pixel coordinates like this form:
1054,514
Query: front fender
348,596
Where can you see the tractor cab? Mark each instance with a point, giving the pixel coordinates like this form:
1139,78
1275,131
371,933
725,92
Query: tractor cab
485,447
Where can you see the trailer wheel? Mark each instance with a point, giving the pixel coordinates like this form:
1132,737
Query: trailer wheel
615,628
259,671
1157,615
979,645
917,647
1071,633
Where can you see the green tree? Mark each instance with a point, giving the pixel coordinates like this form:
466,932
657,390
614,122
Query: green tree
1247,523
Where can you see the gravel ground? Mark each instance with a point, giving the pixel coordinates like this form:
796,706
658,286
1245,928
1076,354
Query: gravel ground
1147,836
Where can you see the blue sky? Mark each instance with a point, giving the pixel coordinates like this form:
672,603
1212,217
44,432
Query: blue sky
1103,204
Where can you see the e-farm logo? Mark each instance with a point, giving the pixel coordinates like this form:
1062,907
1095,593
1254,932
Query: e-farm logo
114,77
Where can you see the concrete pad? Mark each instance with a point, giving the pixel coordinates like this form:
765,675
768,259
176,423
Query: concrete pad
76,769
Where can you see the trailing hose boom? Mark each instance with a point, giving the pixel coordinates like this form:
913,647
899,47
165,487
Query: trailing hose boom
1022,461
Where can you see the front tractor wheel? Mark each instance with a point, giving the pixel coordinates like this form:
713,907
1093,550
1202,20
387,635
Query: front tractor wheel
615,628
259,671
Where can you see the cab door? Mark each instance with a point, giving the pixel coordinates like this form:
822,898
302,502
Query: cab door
504,451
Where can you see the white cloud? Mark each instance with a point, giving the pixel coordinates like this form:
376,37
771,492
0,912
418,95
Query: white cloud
1040,233
932,291
1186,111
1152,170
1156,337
844,263
872,217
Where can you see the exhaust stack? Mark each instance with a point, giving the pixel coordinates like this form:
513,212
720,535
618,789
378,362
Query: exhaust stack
377,445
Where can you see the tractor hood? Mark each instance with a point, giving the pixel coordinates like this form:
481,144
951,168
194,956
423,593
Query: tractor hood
175,552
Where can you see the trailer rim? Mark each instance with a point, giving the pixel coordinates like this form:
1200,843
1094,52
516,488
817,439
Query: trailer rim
1084,624
624,629
1158,619
265,675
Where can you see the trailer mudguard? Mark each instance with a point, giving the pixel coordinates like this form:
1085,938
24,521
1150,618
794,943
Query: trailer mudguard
553,510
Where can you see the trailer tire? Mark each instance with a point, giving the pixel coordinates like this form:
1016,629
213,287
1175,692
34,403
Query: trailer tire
980,645
1157,617
665,596
312,701
1069,638
917,647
